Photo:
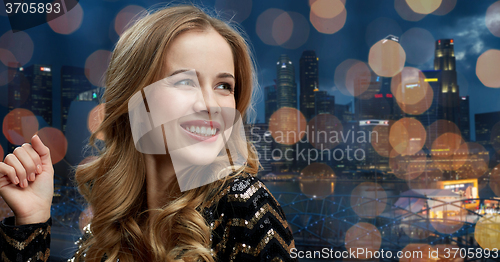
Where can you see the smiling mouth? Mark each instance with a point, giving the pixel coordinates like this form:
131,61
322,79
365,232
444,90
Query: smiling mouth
201,130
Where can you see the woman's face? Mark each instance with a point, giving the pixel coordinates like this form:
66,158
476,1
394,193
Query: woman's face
195,101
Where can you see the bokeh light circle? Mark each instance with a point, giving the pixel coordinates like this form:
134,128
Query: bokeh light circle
55,140
124,18
407,136
363,235
405,12
492,18
19,125
287,125
448,218
443,149
265,25
328,25
495,137
95,118
487,231
495,180
409,87
327,8
323,131
7,57
19,44
420,107
488,68
340,76
282,28
358,79
317,180
380,140
67,23
445,7
438,128
409,252
300,33
418,44
424,6
96,65
368,200
387,58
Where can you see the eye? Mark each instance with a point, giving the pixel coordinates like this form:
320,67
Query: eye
185,82
226,87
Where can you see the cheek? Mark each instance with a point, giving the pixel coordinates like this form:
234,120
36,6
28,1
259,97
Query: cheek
171,105
228,102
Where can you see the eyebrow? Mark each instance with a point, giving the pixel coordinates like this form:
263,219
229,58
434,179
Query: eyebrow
220,75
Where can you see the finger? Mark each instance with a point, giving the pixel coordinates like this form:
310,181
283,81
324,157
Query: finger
34,156
12,160
27,162
42,150
10,172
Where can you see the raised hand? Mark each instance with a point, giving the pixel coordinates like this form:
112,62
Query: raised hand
27,182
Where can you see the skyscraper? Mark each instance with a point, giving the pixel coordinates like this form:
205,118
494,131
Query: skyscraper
444,60
324,103
286,86
73,82
377,102
30,88
40,99
308,82
270,100
286,96
464,117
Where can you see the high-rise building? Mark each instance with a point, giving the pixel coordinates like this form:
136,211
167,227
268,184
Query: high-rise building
344,112
30,88
464,117
286,86
286,96
258,134
434,111
270,100
40,99
377,102
324,103
444,60
309,82
73,82
485,122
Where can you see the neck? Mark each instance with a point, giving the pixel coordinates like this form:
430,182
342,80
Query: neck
161,181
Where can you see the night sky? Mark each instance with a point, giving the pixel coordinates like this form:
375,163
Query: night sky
366,23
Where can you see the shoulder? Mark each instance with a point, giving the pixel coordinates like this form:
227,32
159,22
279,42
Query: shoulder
249,224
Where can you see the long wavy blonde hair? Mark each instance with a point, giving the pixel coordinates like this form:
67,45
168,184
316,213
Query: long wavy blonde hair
114,183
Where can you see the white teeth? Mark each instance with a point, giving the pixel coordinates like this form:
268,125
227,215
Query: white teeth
204,131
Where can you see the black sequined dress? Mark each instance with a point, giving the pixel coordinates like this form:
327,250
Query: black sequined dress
247,224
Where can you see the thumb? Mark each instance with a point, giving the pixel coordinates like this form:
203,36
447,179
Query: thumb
42,150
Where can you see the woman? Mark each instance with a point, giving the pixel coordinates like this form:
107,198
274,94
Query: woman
140,212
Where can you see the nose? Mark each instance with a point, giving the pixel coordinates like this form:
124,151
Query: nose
206,101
